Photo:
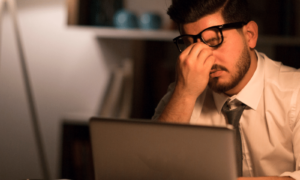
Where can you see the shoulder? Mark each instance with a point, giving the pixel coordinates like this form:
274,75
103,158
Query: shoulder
280,75
282,86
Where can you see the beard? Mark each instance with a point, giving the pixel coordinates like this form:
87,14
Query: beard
242,66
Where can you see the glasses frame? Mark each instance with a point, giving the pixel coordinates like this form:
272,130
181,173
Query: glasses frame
235,25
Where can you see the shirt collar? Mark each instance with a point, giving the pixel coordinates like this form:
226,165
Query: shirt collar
251,93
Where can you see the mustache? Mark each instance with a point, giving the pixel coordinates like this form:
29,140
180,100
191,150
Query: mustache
217,67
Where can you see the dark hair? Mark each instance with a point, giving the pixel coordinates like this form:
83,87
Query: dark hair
187,11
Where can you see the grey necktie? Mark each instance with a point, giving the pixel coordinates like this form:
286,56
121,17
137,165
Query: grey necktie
233,117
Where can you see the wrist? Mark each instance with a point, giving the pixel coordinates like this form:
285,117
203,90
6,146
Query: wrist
185,94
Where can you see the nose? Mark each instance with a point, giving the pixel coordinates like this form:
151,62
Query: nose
198,40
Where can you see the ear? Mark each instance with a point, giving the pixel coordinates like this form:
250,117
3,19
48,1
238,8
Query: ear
251,34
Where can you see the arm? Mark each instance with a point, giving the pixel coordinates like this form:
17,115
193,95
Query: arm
193,68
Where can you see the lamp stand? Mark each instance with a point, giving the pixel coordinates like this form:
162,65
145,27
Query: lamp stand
11,4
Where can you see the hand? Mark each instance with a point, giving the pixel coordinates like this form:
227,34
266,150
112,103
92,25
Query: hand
193,68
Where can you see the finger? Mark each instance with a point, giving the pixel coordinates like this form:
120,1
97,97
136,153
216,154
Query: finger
191,54
196,49
187,51
204,54
193,49
185,57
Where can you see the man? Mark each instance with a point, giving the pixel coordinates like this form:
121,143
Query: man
218,67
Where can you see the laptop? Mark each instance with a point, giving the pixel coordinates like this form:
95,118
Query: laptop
147,150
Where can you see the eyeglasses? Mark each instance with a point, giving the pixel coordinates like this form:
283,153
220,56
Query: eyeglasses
211,36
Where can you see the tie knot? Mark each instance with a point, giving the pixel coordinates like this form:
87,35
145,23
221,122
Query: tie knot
233,111
232,104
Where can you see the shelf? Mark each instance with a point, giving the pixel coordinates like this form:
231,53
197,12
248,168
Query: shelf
168,35
278,40
106,32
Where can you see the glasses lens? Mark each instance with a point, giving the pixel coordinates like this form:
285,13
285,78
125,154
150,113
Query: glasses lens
212,37
184,42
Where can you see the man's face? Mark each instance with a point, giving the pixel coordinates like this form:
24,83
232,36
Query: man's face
232,56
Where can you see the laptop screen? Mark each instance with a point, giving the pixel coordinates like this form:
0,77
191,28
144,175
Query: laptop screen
142,149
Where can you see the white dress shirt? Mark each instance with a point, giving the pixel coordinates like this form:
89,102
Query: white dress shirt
270,127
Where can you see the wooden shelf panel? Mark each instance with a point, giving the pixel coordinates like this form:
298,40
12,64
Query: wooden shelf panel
106,32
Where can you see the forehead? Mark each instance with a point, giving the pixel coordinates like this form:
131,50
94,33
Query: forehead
201,24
